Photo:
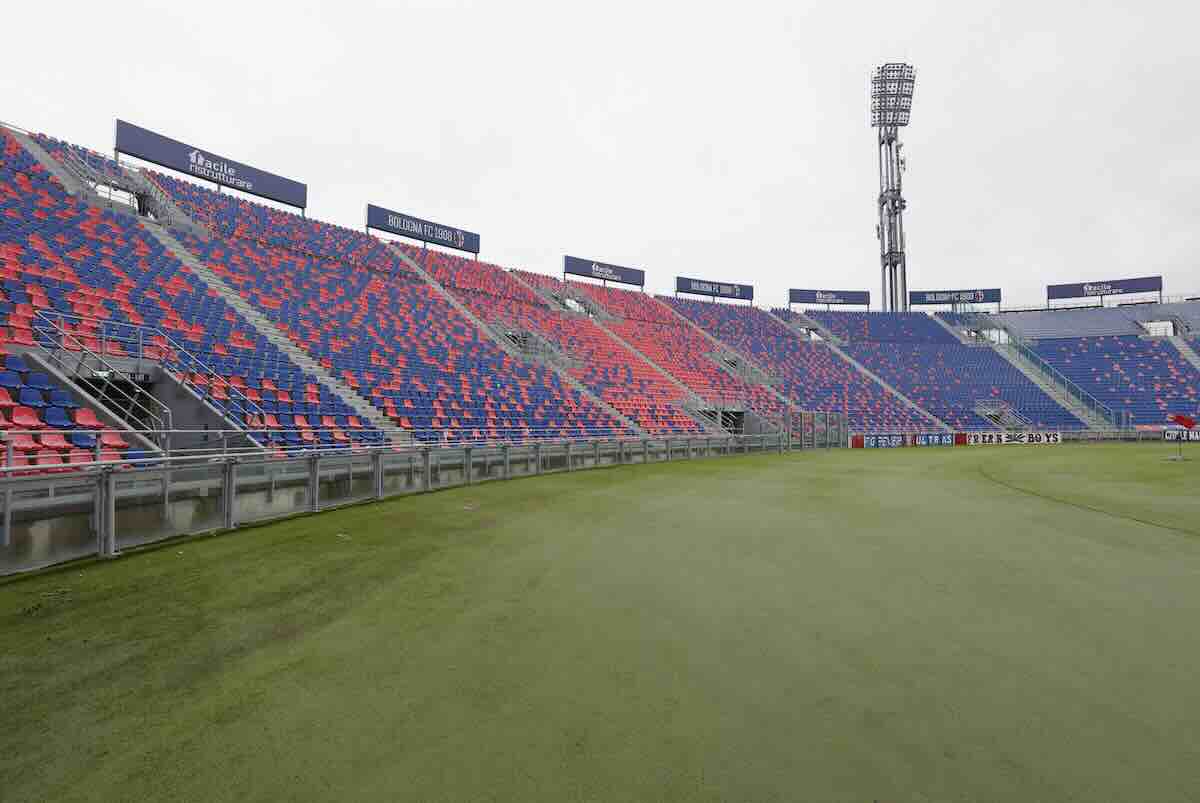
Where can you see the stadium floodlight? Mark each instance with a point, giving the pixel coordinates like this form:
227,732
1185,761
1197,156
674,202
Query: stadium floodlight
892,94
891,105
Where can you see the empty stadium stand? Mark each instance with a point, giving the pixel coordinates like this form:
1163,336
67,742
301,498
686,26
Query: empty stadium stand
304,334
882,327
1146,378
1095,321
347,301
100,275
810,373
628,383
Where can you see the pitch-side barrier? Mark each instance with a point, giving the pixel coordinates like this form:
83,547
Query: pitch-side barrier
60,513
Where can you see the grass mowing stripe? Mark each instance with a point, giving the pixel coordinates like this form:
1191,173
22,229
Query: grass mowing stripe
1082,506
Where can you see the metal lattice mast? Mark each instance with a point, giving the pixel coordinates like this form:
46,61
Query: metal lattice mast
891,103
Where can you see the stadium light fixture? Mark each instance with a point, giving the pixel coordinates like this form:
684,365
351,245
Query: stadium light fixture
892,87
892,94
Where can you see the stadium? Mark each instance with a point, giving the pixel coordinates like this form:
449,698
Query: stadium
312,509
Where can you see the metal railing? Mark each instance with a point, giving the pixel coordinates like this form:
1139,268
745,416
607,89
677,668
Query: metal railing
52,516
71,354
1059,380
1003,413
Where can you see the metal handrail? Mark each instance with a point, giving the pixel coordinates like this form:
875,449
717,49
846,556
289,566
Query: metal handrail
52,330
1087,399
195,456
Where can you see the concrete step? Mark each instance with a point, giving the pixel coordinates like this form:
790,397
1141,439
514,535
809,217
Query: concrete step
833,344
507,346
692,402
65,177
1187,350
756,375
265,326
959,336
813,324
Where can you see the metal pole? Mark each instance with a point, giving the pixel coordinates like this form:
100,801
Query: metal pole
314,483
230,478
6,536
110,514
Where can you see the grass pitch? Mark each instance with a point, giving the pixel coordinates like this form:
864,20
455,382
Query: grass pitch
961,624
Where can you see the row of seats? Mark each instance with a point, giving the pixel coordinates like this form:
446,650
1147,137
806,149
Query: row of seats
37,414
238,218
892,327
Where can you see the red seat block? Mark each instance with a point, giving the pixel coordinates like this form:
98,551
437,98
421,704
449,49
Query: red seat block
54,439
84,417
27,418
113,440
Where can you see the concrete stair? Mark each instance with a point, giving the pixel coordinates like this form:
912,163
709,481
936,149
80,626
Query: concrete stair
693,405
812,324
363,408
507,346
70,182
959,336
833,344
1053,389
1187,350
751,372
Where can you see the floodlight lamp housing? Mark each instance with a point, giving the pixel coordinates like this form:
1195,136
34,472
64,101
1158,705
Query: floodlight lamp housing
891,95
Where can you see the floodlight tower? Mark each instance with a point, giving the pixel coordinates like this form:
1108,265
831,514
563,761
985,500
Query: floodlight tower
891,103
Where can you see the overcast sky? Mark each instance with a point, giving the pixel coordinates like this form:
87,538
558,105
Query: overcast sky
1050,141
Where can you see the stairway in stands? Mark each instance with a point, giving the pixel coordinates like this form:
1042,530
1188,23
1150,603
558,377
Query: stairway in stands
508,346
365,409
91,179
734,361
801,321
1054,387
1185,348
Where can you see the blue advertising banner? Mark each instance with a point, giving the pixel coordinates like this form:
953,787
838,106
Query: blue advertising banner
923,297
884,441
418,229
856,297
602,270
700,287
171,153
1115,287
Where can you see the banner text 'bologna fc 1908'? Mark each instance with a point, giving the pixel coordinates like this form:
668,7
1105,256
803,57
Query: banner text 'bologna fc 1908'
989,295
145,144
602,270
418,229
700,287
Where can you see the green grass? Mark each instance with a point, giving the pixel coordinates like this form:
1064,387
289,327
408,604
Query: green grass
961,624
